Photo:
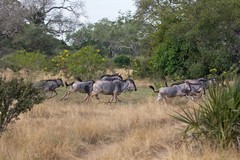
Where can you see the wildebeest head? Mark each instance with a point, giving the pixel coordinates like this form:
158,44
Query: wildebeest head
59,82
131,85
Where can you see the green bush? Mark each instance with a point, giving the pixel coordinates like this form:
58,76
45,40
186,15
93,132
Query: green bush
29,60
16,97
87,63
140,67
122,61
196,70
218,118
167,60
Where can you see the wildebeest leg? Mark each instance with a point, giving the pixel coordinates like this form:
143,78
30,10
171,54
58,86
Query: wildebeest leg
86,98
198,96
189,97
169,100
48,95
111,99
94,94
119,99
55,93
204,91
114,98
159,97
66,95
52,94
97,97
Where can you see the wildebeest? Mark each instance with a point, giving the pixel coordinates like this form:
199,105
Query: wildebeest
114,88
197,85
196,90
79,86
172,91
49,85
111,77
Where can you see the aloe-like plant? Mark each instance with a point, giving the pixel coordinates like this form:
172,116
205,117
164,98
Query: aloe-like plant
217,118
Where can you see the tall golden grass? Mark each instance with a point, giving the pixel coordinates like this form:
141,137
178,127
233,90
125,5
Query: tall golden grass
70,130
133,129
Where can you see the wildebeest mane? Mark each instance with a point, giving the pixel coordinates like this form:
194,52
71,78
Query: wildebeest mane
177,83
111,75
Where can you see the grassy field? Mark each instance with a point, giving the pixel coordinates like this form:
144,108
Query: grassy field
133,129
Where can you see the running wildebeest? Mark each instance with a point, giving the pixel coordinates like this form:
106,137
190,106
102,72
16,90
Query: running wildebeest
196,90
172,91
111,77
198,85
79,86
49,85
114,88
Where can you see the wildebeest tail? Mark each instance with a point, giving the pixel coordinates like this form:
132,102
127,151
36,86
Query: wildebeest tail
78,78
68,84
153,89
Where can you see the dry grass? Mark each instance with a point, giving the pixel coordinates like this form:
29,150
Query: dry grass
134,129
69,130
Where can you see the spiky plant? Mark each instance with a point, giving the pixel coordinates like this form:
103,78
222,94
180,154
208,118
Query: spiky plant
217,118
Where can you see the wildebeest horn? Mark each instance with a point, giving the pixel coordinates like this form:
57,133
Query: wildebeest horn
166,83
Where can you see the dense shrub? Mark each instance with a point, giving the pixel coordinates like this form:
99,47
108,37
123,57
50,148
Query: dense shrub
16,97
167,61
87,63
177,57
122,61
28,60
140,67
196,70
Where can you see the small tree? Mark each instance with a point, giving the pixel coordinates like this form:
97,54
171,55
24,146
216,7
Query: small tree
16,97
85,62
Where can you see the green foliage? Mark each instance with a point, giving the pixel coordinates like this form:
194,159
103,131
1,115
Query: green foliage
34,39
111,37
87,62
5,47
83,37
122,61
186,33
60,61
29,60
167,61
231,73
140,67
16,97
196,70
217,119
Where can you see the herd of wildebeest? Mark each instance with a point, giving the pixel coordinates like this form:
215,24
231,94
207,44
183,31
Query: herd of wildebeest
114,85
